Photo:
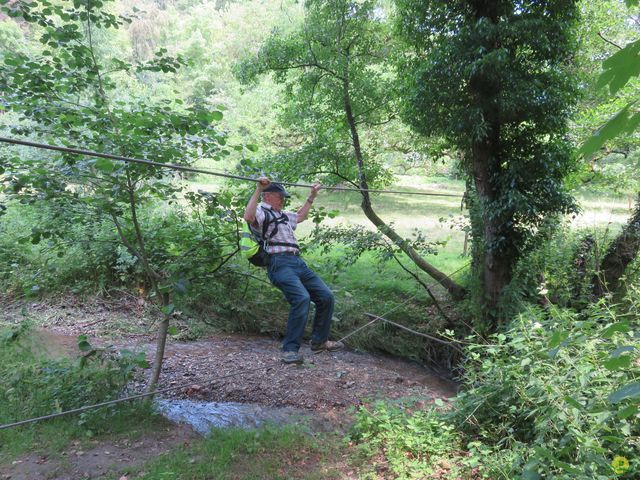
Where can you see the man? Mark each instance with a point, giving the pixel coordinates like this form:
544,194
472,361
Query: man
289,272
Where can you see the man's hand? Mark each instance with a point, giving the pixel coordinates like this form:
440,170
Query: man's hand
250,211
263,182
314,191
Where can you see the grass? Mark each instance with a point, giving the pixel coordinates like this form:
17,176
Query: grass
267,453
51,437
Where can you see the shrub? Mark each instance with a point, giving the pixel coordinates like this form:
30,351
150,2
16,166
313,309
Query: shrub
35,386
411,443
418,444
561,388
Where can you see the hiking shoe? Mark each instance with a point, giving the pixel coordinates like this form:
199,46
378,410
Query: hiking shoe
292,357
328,346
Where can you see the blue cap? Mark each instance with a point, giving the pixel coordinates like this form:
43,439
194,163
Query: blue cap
277,188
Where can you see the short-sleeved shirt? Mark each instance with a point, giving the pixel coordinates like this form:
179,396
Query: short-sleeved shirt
285,230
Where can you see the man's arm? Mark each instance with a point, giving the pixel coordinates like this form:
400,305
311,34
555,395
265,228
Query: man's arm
304,210
250,211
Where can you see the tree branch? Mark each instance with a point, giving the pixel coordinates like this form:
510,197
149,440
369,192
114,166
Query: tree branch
609,41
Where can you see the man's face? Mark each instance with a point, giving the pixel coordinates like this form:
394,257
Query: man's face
275,199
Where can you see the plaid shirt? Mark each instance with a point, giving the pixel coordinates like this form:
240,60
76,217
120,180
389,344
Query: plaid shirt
285,230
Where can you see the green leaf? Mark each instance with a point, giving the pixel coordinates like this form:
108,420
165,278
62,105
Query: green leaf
624,64
557,338
13,61
181,286
633,123
627,412
573,402
617,363
173,330
168,309
631,390
530,472
252,146
566,467
216,115
619,351
631,3
104,165
614,126
553,352
611,330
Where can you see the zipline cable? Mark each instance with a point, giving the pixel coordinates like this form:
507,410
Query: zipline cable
182,168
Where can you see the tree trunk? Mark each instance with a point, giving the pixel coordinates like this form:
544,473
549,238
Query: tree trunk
621,253
153,277
456,291
161,342
584,253
496,259
496,264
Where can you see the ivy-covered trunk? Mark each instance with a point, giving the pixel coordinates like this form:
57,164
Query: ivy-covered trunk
492,261
492,78
496,264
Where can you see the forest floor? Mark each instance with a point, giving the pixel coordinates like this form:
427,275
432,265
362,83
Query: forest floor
327,386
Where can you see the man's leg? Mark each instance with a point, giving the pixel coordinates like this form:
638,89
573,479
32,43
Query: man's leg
283,275
323,298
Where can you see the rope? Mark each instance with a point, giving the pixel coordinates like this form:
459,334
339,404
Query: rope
357,330
131,397
182,168
435,339
381,317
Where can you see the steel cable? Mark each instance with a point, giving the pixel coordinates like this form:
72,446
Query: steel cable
182,168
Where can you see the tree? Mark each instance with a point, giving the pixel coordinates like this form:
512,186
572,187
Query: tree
72,92
339,89
492,78
619,69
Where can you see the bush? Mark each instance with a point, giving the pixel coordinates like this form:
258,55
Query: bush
560,388
416,444
34,386
556,395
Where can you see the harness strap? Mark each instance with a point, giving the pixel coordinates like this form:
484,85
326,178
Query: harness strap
271,218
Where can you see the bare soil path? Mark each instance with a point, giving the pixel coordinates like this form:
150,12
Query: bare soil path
326,382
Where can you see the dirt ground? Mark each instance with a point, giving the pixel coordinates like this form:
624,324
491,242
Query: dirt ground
327,384
104,457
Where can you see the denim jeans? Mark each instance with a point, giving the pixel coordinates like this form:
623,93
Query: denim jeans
301,285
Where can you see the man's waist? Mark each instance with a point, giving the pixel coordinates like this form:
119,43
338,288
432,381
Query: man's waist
288,252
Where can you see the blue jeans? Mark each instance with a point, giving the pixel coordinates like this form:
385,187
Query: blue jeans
301,285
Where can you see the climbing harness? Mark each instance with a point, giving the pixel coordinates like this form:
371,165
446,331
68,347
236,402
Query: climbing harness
253,245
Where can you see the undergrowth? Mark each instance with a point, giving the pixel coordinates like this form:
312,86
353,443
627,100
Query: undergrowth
35,386
269,452
555,395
